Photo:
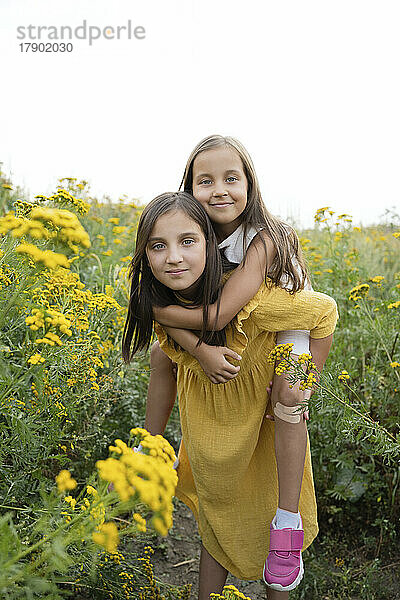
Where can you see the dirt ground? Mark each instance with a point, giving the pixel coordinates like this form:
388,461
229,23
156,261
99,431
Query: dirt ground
176,557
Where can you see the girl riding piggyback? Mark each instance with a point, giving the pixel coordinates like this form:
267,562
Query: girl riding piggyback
258,248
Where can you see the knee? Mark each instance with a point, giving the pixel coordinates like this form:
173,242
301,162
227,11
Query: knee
289,396
158,358
286,403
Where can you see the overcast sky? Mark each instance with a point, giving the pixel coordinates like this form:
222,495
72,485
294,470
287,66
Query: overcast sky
311,88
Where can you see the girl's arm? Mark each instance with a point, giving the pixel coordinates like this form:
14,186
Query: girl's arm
240,288
278,310
211,358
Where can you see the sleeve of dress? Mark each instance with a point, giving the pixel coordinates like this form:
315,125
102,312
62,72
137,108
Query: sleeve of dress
300,338
167,345
278,310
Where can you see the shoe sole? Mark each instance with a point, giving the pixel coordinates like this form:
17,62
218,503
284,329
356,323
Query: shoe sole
288,588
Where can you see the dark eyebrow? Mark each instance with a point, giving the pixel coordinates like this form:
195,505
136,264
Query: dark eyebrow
188,233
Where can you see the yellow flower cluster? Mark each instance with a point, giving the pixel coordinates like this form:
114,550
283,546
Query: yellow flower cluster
107,536
20,227
320,215
54,319
7,276
281,367
309,382
50,259
377,279
230,592
66,223
36,320
343,376
50,338
148,477
71,501
394,304
394,365
57,319
141,522
396,234
35,359
65,481
358,292
281,351
63,197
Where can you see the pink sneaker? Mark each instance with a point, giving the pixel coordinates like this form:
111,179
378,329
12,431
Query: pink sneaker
283,569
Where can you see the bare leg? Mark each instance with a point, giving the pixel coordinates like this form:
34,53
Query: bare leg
212,575
161,393
290,445
274,595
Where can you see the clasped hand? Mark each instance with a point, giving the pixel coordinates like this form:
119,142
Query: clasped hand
214,364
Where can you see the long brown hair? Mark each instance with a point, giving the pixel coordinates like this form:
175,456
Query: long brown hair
147,291
256,215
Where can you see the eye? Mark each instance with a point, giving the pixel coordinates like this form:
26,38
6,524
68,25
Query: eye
232,177
205,181
156,246
188,240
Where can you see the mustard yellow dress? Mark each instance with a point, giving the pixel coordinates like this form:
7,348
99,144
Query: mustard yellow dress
227,469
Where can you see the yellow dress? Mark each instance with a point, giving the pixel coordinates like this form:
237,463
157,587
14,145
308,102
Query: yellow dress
227,469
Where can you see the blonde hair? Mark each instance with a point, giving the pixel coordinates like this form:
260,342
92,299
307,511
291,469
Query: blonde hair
256,215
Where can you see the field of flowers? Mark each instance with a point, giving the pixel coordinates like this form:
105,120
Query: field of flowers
66,395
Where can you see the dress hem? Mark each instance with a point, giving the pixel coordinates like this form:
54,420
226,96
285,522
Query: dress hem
186,500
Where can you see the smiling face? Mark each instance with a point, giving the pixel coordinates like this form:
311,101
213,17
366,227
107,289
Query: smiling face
220,185
176,250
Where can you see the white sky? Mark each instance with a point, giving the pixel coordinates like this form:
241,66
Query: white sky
311,88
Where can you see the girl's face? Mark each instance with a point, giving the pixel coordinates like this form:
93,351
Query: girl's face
176,250
220,185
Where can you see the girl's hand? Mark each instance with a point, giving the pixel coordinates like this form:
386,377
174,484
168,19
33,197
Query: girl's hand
214,364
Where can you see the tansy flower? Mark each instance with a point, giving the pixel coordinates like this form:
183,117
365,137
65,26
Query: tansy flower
65,481
394,365
71,501
35,359
343,376
377,279
394,304
107,536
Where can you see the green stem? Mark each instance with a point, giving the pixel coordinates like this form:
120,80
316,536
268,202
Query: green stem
14,560
378,332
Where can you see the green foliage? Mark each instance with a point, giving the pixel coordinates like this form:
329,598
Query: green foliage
62,409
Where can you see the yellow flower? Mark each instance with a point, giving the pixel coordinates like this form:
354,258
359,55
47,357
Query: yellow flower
107,536
394,304
65,481
35,359
343,376
71,501
47,257
396,234
394,365
377,279
357,292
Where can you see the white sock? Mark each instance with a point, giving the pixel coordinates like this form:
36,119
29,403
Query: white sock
285,518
